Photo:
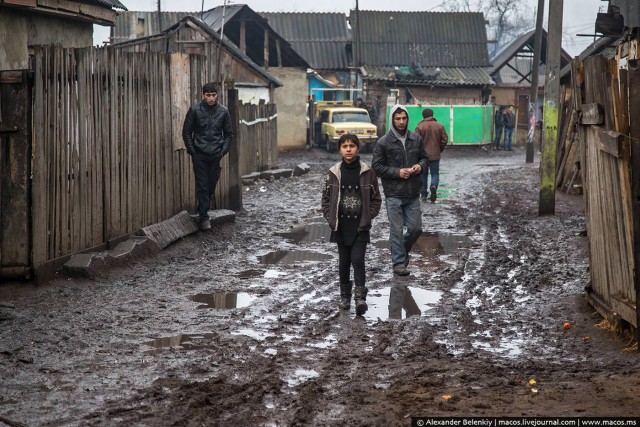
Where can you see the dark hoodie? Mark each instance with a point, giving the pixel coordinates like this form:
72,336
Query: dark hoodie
390,155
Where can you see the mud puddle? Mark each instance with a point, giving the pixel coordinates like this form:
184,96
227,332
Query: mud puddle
223,300
400,302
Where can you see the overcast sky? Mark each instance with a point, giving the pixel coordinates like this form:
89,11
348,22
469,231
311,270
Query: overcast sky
578,18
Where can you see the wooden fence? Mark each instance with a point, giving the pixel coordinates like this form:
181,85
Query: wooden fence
107,159
257,130
601,96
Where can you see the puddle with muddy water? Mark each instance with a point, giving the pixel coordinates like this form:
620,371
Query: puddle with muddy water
433,244
223,300
292,257
181,342
316,231
400,302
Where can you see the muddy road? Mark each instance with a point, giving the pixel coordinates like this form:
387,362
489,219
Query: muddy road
241,326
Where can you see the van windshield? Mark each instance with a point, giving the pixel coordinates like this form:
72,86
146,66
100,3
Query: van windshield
351,116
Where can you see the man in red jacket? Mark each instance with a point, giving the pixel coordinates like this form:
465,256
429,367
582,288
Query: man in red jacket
434,138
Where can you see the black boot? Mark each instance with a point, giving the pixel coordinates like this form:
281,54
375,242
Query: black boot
345,296
361,300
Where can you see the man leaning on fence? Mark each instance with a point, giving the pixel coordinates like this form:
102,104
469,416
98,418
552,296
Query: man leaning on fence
207,135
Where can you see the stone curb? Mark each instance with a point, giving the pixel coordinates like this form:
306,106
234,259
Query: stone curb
147,241
272,174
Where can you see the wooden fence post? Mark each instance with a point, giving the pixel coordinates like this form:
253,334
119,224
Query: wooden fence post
634,133
551,104
235,183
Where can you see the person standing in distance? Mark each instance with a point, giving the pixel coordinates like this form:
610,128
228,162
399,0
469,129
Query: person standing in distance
350,201
207,134
509,125
435,139
499,124
398,160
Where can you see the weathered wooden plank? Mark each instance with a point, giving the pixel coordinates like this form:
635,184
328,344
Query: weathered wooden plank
624,173
113,160
167,141
634,133
11,77
625,308
60,151
101,134
78,220
611,142
179,96
40,169
592,114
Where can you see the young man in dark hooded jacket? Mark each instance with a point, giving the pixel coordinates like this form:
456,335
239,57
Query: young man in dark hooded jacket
207,135
398,160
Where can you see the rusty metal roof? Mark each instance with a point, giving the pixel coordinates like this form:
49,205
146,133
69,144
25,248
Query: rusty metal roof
437,39
320,38
436,76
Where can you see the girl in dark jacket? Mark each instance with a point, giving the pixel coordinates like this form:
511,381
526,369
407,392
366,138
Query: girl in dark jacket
350,201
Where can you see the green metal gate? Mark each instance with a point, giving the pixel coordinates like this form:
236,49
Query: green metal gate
465,124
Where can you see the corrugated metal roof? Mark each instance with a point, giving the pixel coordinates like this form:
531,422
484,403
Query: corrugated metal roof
443,39
303,26
320,38
437,76
218,15
130,25
328,55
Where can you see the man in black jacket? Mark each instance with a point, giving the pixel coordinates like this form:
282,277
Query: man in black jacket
509,125
398,160
207,135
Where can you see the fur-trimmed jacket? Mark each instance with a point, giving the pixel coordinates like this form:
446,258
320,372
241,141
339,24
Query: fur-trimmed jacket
369,190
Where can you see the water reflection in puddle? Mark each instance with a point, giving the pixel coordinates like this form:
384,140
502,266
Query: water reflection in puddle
400,302
433,251
181,342
250,274
432,245
292,257
312,232
223,300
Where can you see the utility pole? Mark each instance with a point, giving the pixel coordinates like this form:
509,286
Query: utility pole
358,59
551,114
535,70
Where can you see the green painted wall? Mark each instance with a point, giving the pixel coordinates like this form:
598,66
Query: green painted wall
465,124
